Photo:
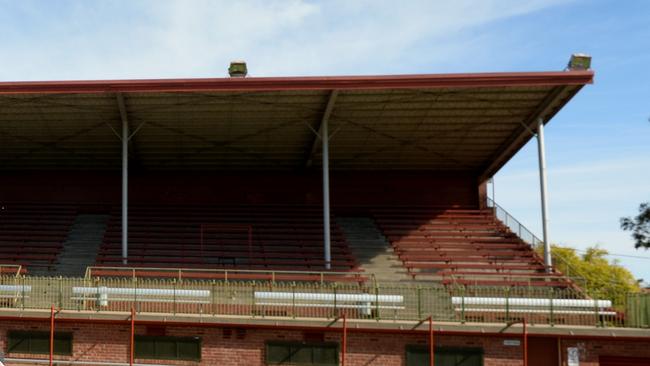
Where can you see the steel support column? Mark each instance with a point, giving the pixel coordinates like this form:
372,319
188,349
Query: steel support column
51,335
345,340
125,179
431,344
543,193
132,339
525,342
326,193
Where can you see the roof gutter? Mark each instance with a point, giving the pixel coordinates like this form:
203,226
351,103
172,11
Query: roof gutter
474,80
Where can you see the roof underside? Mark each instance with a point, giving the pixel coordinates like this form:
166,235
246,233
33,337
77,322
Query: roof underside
472,122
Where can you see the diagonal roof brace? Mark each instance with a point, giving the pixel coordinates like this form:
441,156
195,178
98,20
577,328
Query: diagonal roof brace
124,117
309,159
546,109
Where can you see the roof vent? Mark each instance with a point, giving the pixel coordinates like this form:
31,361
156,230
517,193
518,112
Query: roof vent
579,61
237,69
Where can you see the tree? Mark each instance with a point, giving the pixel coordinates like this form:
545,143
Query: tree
639,226
598,277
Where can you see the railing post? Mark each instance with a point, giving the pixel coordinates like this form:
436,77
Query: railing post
462,305
23,292
214,297
599,321
377,302
335,301
60,292
293,299
98,303
551,303
174,294
419,292
135,292
508,304
253,309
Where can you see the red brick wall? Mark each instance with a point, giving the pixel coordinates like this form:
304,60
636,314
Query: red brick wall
104,342
591,350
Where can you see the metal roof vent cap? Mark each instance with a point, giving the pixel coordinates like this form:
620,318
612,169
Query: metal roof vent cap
237,69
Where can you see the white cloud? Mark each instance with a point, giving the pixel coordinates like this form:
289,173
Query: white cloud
586,201
199,38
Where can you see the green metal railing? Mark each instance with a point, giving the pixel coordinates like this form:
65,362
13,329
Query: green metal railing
181,274
637,310
475,304
531,239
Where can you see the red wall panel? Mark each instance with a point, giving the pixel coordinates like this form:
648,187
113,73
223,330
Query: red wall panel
347,189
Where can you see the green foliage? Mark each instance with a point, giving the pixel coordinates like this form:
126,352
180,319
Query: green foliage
639,226
604,279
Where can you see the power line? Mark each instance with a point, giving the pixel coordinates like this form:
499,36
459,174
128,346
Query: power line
618,255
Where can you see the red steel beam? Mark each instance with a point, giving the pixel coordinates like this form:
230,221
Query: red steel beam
345,339
525,343
431,345
473,80
51,335
132,340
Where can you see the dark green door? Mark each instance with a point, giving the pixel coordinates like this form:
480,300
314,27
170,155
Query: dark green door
444,356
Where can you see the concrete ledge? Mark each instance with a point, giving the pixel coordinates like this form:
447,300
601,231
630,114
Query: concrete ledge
354,325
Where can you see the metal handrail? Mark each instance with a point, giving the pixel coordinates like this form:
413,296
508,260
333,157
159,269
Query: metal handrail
531,239
17,268
181,273
313,300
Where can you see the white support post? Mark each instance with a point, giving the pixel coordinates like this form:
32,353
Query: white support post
494,201
125,192
326,194
125,179
543,192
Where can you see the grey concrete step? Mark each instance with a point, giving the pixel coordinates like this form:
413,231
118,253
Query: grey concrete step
81,245
372,249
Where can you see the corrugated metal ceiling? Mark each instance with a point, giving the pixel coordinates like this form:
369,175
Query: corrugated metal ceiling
436,128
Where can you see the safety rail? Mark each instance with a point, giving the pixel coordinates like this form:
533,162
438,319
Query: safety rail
11,269
637,310
228,274
531,239
513,279
267,299
513,224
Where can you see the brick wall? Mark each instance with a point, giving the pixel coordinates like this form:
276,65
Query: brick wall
245,347
591,350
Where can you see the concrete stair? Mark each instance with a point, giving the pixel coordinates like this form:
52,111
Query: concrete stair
372,249
81,245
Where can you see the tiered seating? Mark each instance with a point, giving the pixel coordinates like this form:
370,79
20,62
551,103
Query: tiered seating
32,235
462,246
281,238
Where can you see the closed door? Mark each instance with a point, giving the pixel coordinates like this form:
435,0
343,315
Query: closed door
542,352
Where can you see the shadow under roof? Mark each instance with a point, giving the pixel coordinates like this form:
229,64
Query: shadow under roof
446,122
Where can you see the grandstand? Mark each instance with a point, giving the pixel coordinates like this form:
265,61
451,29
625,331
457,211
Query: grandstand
293,220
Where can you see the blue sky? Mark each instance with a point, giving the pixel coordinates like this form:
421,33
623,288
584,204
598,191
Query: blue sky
598,147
